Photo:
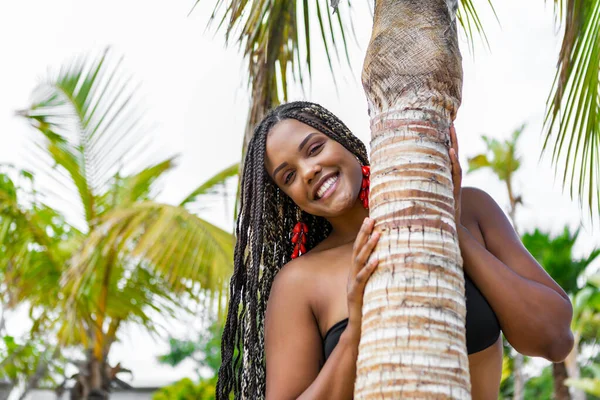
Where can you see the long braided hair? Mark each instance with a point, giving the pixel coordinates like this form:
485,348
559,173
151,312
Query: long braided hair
263,246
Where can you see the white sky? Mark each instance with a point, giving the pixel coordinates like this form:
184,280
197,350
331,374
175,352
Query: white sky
194,91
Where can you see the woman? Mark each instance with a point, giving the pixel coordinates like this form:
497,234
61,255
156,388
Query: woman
305,169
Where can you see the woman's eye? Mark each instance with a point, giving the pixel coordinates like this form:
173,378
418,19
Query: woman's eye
288,177
314,149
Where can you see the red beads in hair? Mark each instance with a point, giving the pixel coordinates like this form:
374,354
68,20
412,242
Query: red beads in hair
299,239
365,186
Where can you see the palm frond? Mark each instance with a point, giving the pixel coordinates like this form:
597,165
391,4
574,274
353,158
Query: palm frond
572,120
501,156
469,20
126,190
88,123
35,243
156,257
179,247
270,29
207,187
275,37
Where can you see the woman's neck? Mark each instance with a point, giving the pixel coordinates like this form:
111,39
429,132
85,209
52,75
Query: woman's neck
346,227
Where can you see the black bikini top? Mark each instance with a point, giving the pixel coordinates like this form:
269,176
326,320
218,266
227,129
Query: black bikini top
482,325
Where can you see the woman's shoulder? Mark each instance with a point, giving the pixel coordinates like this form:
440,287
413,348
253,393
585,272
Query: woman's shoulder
493,222
299,276
293,273
475,201
471,194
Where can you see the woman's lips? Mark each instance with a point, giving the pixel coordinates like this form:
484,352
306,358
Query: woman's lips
331,188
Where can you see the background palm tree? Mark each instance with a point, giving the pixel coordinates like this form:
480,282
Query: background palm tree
503,160
120,257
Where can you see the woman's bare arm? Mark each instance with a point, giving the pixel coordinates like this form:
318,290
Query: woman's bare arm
533,310
293,343
294,348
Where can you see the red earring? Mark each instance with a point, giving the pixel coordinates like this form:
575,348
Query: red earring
299,239
365,186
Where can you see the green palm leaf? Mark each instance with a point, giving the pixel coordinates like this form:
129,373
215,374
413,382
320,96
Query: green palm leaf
180,247
136,187
471,23
208,187
88,124
148,258
555,254
573,109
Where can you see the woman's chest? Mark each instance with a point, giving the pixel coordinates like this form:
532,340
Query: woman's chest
329,293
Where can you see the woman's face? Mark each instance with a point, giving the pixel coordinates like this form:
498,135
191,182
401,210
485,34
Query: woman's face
316,172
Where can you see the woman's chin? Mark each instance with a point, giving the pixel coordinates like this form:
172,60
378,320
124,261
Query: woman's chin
340,206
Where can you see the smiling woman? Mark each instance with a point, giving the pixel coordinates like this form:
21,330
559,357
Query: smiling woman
310,167
296,322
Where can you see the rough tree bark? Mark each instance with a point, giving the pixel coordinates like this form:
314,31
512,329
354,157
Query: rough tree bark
413,330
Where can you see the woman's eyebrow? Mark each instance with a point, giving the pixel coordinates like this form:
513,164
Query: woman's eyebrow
300,146
306,139
283,165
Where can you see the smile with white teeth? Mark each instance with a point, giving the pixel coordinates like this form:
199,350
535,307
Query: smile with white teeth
326,185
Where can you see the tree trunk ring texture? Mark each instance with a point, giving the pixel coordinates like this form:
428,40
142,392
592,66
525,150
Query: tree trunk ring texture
413,330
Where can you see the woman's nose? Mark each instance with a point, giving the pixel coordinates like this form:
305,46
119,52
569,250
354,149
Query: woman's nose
311,171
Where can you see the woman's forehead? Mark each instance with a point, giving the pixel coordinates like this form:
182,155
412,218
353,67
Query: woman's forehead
285,139
289,128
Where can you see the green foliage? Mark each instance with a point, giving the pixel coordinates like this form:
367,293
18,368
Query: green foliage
501,157
556,256
586,312
589,385
19,361
134,257
206,351
573,107
507,379
35,242
185,389
541,386
180,350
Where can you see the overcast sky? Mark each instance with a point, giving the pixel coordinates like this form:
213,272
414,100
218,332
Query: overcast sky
194,90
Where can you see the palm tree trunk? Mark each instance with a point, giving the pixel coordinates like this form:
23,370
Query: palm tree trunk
519,382
573,369
263,62
559,373
260,103
95,378
413,330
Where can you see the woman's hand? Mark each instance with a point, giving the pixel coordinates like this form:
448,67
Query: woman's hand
360,271
456,173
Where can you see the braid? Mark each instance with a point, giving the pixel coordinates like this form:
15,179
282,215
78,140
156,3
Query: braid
266,217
